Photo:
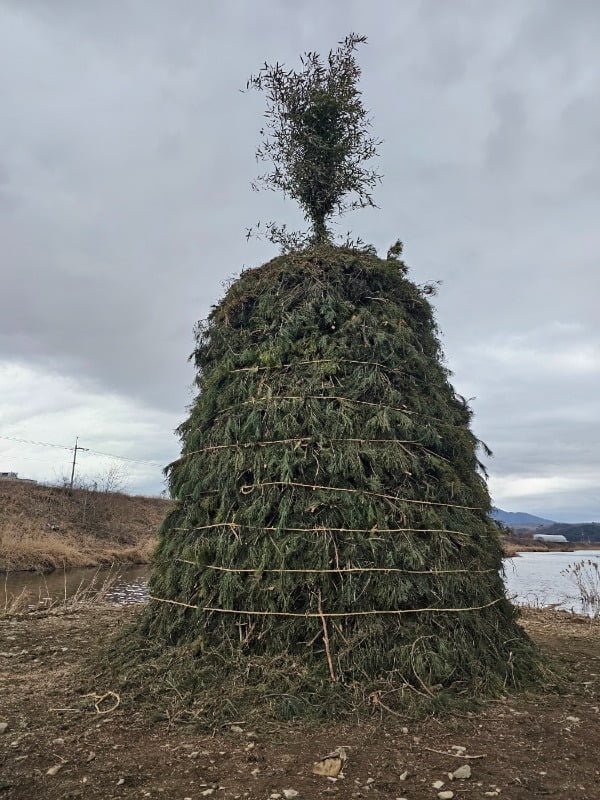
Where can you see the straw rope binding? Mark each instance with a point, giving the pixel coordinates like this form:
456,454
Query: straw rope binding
321,614
321,361
321,529
247,489
309,439
339,570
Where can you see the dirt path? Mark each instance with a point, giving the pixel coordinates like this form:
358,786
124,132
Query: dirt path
520,749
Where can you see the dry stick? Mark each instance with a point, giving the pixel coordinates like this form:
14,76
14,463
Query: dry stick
457,755
376,701
325,637
346,569
323,614
61,710
320,529
247,489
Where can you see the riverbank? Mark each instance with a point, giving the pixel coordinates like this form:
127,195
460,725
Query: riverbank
44,528
59,744
49,527
512,547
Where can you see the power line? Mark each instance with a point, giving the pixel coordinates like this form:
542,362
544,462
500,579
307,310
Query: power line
31,441
66,447
125,458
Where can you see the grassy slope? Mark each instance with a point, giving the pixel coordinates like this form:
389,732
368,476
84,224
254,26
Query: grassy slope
93,527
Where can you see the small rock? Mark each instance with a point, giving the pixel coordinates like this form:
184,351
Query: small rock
58,741
573,719
404,775
274,796
370,780
55,769
3,727
194,754
236,729
447,795
289,793
437,784
207,792
404,730
121,781
331,765
462,773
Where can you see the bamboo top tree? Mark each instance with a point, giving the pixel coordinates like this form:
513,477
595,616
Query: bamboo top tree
329,551
317,137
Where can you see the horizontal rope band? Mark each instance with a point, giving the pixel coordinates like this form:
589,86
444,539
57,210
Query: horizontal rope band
270,398
345,570
247,489
308,439
321,361
320,529
319,615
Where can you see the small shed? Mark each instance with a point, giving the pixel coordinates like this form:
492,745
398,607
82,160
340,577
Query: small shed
553,538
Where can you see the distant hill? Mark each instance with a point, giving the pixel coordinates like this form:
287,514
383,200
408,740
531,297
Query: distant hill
520,518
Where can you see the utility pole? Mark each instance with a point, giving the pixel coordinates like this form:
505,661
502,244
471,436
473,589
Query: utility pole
75,449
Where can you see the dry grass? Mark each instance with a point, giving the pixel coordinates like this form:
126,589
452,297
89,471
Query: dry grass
49,527
89,595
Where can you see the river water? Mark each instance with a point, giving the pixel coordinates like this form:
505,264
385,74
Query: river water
535,579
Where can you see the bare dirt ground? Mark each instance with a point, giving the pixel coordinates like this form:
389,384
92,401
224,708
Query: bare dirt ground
57,747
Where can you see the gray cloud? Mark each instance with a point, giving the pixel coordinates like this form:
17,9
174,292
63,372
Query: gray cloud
126,153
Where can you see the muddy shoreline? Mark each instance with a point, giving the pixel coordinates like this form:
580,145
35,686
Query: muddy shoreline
58,745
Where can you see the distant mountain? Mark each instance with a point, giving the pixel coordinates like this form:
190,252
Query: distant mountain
512,518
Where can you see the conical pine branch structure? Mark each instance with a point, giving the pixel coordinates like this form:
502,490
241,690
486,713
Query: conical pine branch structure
330,543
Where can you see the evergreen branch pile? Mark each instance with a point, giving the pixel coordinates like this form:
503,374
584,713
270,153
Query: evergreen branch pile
330,543
328,471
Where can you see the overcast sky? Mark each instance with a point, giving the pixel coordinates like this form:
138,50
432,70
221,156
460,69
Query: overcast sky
126,155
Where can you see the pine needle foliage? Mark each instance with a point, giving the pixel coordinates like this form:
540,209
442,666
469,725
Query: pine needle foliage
328,468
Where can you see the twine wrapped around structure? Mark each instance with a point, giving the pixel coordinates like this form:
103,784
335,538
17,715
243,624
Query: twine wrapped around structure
338,570
319,614
250,488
